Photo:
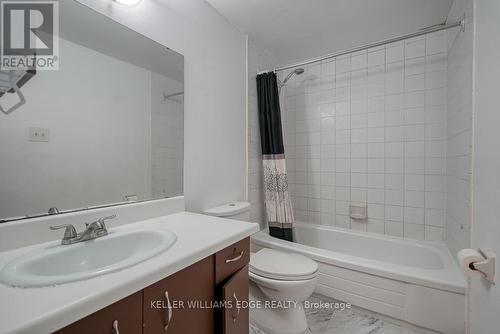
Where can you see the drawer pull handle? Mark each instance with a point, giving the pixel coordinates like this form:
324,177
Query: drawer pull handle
115,327
235,317
236,258
169,312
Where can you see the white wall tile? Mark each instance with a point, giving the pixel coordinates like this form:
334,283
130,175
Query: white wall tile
414,149
376,165
434,233
328,68
375,150
376,58
394,101
414,82
394,118
343,64
435,43
415,182
414,216
394,197
415,199
394,52
415,47
414,66
359,61
434,217
394,213
376,104
371,129
414,116
414,231
327,219
394,133
394,228
376,180
376,196
376,226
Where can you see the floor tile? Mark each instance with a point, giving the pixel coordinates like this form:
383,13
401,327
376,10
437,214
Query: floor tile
349,321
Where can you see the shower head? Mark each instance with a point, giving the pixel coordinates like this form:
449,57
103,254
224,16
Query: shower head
297,71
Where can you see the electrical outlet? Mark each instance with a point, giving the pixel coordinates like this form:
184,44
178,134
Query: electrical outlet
39,135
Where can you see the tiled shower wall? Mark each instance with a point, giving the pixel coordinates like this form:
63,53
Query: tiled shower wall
369,129
459,120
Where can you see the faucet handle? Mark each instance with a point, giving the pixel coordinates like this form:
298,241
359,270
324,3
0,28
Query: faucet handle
69,233
99,223
103,219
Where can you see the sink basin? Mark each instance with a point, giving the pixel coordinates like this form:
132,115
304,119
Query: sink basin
59,264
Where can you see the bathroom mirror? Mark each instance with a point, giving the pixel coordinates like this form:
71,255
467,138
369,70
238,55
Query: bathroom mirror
106,128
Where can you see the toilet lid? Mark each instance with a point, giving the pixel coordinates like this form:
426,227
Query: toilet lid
274,264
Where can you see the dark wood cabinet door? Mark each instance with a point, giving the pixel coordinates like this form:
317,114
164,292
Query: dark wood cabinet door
231,259
124,317
236,318
167,308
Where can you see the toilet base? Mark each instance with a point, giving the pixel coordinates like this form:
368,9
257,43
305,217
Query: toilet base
290,320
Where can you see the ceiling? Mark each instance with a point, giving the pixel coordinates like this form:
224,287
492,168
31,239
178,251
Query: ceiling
294,30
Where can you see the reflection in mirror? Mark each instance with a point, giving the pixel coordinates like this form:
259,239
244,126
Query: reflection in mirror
104,129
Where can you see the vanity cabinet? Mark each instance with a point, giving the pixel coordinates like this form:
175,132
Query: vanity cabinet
231,277
183,302
123,317
235,319
231,259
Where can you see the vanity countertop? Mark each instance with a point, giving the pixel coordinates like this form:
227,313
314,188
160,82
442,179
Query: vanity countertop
46,309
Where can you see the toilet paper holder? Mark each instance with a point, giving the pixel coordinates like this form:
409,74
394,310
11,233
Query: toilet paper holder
486,267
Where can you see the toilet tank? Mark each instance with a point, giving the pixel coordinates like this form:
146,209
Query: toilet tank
233,210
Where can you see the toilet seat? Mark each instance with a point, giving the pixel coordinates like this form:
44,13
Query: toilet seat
277,265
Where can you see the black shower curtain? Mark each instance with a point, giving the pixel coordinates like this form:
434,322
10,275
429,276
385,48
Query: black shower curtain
279,210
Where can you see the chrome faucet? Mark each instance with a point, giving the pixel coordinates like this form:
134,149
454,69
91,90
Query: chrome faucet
53,211
92,231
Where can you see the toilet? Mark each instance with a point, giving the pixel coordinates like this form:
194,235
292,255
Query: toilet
279,283
233,210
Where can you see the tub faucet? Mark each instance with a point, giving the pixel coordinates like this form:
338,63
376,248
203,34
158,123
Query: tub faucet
92,231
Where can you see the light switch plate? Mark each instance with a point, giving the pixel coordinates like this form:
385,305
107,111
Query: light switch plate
39,135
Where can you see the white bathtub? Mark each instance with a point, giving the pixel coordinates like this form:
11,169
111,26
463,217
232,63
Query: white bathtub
416,282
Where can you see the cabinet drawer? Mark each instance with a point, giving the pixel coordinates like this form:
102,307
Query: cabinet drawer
168,307
235,319
127,313
231,259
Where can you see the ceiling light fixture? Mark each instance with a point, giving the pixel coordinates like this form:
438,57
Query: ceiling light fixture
127,2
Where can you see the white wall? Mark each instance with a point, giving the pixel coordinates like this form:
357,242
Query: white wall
215,117
459,136
369,129
258,60
83,164
485,298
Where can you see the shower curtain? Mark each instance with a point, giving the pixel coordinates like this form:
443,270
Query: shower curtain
278,204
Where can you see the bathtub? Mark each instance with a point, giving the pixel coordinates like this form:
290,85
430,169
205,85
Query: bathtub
412,281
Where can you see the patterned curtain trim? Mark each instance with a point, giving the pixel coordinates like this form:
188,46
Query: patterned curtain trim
280,225
278,202
273,156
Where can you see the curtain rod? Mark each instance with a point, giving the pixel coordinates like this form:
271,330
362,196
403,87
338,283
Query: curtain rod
421,32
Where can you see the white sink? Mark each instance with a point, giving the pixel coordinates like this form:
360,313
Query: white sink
57,264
